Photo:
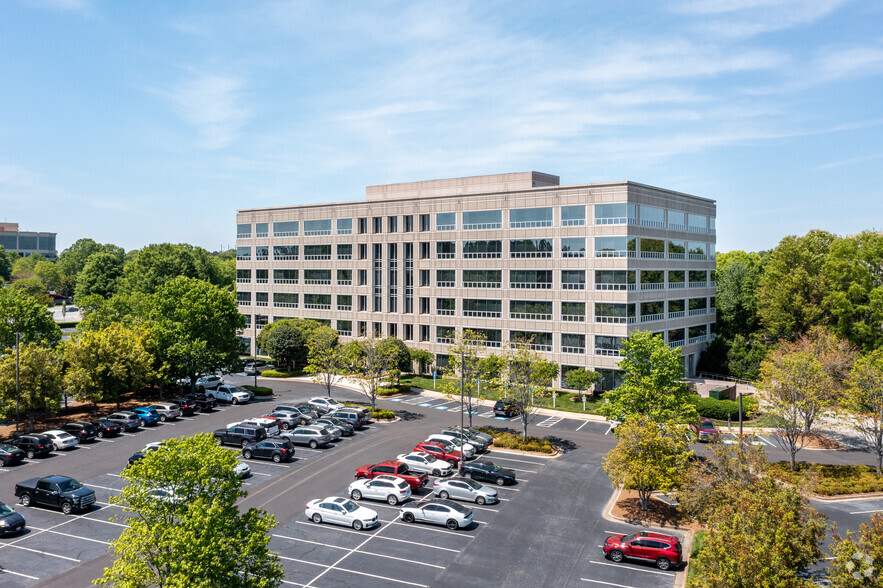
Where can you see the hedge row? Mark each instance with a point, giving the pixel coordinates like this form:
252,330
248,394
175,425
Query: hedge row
377,413
721,409
260,390
278,374
512,441
833,480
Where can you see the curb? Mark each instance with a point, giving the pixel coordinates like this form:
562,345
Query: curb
558,453
686,545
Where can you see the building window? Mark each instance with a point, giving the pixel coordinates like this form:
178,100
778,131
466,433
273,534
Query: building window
697,306
392,224
345,251
424,305
243,298
573,280
615,214
424,250
313,228
409,223
247,321
424,222
261,230
523,248
286,229
377,329
424,333
344,277
285,276
534,310
282,300
317,301
652,217
445,306
696,251
676,338
492,337
573,247
446,221
698,279
344,302
243,254
262,276
482,308
531,279
445,335
363,226
677,220
482,278
445,249
243,231
697,334
261,253
676,309
652,248
677,250
606,312
615,280
482,249
520,218
482,220
285,252
424,278
317,277
652,311
392,329
363,329
408,334
574,312
363,303
363,251
262,299
573,216
446,278
378,277
652,279
573,343
345,227
363,277
377,224
243,276
409,278
317,252
607,345
345,328
615,246
696,223
260,321
393,275
534,340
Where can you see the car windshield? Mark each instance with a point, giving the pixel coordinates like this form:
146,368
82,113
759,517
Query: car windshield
68,485
349,506
492,466
627,538
5,511
472,484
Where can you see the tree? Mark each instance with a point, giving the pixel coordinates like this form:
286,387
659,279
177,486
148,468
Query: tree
5,265
99,276
858,557
284,342
648,457
795,386
325,361
581,379
369,361
47,273
33,287
759,536
149,268
651,385
402,359
194,329
196,536
106,363
20,312
863,400
465,367
39,381
525,375
745,356
737,277
125,308
73,259
422,358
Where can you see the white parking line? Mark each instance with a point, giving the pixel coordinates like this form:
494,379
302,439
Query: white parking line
105,488
80,446
582,425
637,569
5,571
73,536
261,474
537,463
550,422
432,529
606,583
393,539
865,511
767,441
360,551
41,552
524,471
114,475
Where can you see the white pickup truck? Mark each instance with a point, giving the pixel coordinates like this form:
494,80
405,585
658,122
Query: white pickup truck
231,394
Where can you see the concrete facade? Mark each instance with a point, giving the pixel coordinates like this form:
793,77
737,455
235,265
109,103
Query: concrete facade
577,267
27,242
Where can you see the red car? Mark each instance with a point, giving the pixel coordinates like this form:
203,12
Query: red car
705,430
663,550
439,452
392,468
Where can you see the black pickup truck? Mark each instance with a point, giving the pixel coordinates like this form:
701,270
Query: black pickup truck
56,491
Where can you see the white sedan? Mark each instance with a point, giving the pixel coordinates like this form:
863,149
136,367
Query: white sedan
420,461
341,511
389,488
271,425
60,439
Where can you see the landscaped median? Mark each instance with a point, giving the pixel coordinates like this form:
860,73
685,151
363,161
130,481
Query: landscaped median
506,440
830,480
378,414
260,390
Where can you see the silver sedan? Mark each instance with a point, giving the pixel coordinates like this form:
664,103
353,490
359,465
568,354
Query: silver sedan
341,511
420,461
439,512
465,489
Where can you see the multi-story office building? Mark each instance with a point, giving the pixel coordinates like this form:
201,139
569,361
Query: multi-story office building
572,268
27,242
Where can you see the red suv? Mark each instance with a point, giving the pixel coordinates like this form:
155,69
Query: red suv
705,430
663,550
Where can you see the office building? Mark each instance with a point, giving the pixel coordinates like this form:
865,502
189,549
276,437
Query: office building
572,268
27,242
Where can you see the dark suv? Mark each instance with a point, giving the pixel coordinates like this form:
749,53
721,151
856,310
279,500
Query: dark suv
275,449
506,408
82,431
663,550
33,445
241,435
353,417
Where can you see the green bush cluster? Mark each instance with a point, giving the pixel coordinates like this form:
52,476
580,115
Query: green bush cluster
720,409
383,414
260,390
511,441
832,480
278,374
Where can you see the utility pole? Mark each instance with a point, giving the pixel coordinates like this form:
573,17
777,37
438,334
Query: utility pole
462,408
17,383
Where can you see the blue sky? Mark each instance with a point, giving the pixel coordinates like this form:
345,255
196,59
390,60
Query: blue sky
145,122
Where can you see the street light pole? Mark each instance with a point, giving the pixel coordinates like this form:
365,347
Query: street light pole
462,408
17,384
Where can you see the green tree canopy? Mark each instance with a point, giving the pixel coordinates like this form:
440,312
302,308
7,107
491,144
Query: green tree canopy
858,557
863,401
465,366
5,265
651,386
284,342
525,375
125,308
47,273
20,312
99,276
73,259
581,379
325,359
195,537
370,361
149,268
39,381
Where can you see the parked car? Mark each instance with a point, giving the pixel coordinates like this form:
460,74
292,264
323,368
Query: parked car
302,417
276,449
325,404
474,433
84,432
705,430
240,435
271,425
663,550
333,432
285,418
60,439
10,521
33,445
489,472
480,444
209,382
306,410
465,489
10,455
231,394
187,407
506,407
202,402
231,389
147,415
389,488
105,428
128,420
256,370
420,461
341,511
241,469
440,451
392,468
167,411
346,429
307,436
451,441
438,512
356,419
138,455
56,491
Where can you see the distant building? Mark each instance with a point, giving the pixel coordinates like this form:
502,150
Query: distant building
27,242
572,268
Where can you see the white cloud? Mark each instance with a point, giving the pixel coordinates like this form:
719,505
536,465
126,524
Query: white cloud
212,105
746,18
82,6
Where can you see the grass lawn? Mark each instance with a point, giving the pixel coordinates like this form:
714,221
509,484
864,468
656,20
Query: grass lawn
698,541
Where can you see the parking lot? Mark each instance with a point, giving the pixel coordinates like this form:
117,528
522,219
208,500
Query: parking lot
546,529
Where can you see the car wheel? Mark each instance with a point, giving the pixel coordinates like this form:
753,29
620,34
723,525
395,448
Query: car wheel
408,517
277,458
246,454
211,396
26,499
436,472
303,422
235,401
356,495
452,525
616,556
443,495
101,434
285,426
244,442
500,481
30,455
66,508
452,463
219,441
663,563
357,525
392,500
163,417
317,518
480,500
313,444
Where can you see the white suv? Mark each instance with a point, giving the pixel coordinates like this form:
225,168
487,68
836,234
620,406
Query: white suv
231,394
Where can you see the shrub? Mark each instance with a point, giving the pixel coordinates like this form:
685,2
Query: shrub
512,441
260,390
278,374
832,480
383,414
